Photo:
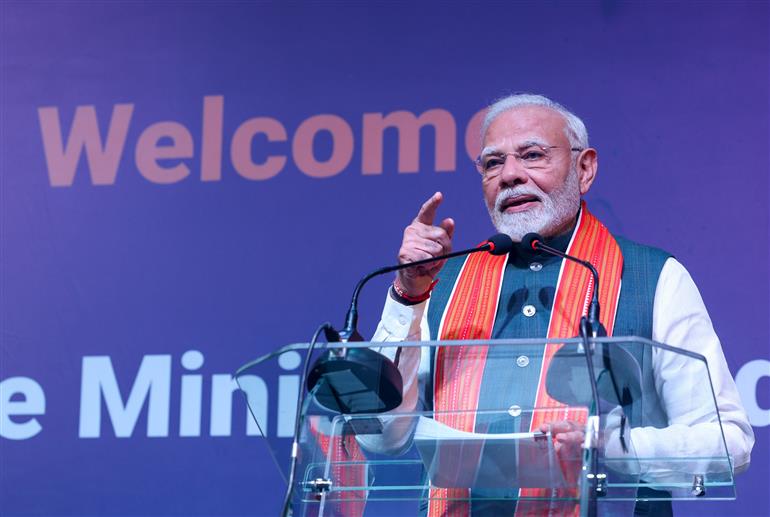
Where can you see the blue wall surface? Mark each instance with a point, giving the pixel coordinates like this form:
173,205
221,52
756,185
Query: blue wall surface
188,185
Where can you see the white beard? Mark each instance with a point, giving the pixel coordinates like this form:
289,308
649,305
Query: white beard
554,210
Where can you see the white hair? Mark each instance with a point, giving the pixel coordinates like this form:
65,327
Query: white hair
574,128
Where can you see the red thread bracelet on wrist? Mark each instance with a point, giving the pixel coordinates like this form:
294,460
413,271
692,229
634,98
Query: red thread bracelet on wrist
414,299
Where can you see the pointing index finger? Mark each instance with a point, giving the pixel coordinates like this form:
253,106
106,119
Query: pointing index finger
427,212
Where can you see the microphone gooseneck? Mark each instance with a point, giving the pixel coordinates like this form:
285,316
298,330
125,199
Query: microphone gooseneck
534,241
379,383
298,420
590,326
498,244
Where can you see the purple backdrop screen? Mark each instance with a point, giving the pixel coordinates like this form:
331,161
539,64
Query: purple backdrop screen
188,185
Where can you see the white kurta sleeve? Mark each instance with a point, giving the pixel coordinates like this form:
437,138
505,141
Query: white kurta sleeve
680,320
402,323
407,323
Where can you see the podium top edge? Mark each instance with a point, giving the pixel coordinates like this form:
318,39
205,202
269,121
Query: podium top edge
616,340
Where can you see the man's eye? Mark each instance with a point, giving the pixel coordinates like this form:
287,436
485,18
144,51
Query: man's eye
532,155
493,162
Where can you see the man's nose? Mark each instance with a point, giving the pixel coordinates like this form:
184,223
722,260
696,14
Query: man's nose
513,172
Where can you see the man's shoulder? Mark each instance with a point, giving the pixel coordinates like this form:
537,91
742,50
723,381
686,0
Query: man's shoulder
642,264
633,250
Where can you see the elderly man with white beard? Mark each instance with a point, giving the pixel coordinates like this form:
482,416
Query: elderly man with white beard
535,165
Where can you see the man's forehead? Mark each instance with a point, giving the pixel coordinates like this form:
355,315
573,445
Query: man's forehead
523,124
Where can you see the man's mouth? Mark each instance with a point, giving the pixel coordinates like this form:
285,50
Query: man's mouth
518,203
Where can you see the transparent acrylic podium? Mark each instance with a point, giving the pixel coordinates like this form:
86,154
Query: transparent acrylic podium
604,450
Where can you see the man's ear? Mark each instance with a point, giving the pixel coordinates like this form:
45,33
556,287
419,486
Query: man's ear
587,165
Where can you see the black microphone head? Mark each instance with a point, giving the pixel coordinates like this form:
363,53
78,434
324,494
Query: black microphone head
530,241
501,243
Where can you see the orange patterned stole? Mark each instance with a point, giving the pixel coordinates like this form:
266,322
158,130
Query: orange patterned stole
470,314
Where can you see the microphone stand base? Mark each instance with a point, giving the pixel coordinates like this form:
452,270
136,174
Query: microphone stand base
360,381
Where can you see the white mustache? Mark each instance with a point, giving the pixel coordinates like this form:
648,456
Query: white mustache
515,192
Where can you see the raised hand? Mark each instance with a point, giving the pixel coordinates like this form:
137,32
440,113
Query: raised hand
423,240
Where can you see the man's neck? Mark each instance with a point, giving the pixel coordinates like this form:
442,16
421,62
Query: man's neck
561,241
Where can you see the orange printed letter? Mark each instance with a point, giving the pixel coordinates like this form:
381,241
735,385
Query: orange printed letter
84,133
148,152
240,148
408,126
342,146
473,134
211,147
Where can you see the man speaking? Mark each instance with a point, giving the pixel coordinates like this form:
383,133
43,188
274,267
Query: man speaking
535,165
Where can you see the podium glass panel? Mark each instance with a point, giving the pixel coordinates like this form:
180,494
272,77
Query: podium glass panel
530,430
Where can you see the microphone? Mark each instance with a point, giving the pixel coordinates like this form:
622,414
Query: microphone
534,241
360,380
589,325
498,244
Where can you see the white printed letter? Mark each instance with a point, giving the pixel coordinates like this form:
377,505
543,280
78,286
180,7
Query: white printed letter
32,404
152,383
